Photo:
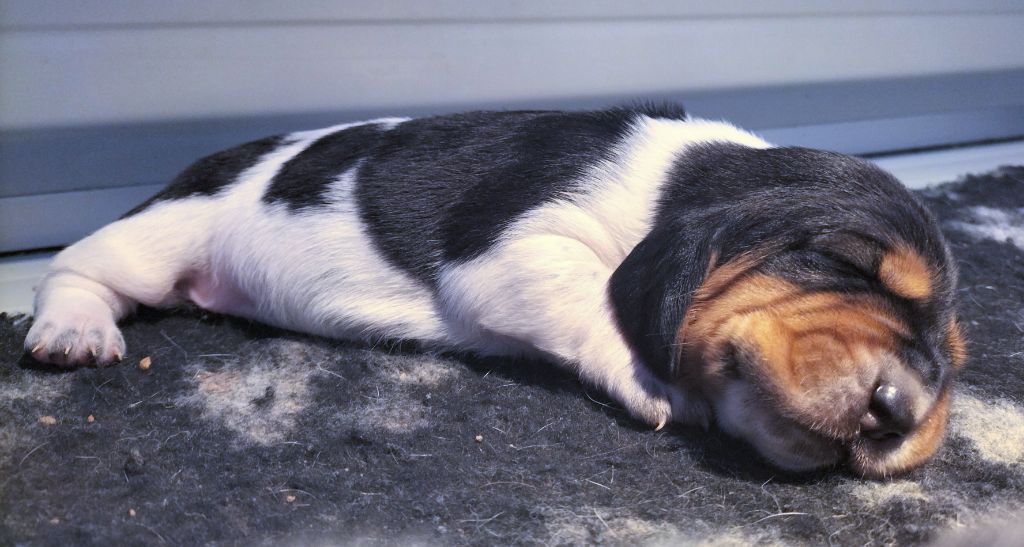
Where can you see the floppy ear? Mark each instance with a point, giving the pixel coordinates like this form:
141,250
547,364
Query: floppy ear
654,286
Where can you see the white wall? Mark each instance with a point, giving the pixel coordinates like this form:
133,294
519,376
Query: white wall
103,100
77,62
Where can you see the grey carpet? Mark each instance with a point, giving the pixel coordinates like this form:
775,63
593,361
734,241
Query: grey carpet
242,434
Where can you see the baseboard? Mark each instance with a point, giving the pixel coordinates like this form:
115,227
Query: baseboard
923,169
52,220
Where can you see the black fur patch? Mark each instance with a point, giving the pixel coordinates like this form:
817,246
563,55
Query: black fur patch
304,179
443,189
820,218
209,175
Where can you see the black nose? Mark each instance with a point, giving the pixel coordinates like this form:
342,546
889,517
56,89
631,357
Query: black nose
889,415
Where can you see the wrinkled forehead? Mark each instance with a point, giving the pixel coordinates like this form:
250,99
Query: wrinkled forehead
919,277
842,222
909,286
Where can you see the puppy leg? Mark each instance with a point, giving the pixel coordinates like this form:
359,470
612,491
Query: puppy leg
95,282
551,293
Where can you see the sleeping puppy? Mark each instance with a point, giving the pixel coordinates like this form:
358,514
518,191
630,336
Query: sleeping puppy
800,299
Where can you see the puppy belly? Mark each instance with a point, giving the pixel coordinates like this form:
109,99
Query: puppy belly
211,292
310,294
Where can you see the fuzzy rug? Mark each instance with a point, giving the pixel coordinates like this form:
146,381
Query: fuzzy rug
241,434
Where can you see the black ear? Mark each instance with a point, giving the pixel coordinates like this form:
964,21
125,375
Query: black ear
654,286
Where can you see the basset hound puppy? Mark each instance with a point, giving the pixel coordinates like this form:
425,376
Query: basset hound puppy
801,300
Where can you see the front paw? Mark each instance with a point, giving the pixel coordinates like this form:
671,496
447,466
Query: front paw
657,403
75,332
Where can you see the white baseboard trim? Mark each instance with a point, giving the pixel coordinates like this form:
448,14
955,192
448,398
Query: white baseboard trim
51,220
18,275
923,169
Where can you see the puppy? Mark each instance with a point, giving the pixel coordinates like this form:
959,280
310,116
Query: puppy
801,300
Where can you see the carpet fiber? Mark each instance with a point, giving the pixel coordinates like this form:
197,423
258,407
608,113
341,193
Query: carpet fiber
238,433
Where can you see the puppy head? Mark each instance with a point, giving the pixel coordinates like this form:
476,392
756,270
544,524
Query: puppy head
813,360
835,340
807,296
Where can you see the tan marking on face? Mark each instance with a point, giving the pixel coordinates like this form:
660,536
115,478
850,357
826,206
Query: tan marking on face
719,277
872,460
724,299
827,330
801,338
956,344
906,273
816,355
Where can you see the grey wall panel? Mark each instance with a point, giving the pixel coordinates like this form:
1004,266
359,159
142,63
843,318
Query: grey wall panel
76,76
873,137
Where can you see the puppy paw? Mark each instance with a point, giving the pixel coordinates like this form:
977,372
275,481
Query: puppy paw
653,409
657,403
75,330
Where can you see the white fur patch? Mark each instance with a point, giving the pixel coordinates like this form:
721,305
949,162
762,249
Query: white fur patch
21,388
337,285
605,526
393,408
544,283
1003,528
994,427
260,394
996,224
314,134
40,388
392,413
875,494
317,271
614,211
422,372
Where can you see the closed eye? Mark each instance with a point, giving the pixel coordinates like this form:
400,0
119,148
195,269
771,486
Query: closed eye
817,269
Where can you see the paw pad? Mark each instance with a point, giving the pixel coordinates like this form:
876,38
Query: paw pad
75,339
